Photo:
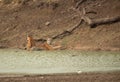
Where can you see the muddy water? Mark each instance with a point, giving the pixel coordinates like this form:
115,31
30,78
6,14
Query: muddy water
44,62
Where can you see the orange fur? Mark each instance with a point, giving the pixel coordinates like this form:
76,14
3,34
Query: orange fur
48,47
30,42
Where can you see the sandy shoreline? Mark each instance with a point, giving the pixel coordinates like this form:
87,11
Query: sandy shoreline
92,48
84,48
83,77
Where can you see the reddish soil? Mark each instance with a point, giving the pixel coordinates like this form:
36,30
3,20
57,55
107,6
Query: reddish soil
84,77
17,19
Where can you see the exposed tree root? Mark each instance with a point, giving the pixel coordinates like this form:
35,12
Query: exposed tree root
90,22
67,32
79,3
96,22
61,35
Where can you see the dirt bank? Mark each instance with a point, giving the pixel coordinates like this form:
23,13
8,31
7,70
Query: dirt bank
84,77
47,18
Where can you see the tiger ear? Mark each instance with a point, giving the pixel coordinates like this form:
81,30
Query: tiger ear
29,35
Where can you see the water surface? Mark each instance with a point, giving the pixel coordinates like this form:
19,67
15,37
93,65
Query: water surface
64,61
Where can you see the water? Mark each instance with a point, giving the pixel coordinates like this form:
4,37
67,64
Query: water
14,61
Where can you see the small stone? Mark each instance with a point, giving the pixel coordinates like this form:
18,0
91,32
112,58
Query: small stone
47,23
41,77
79,72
